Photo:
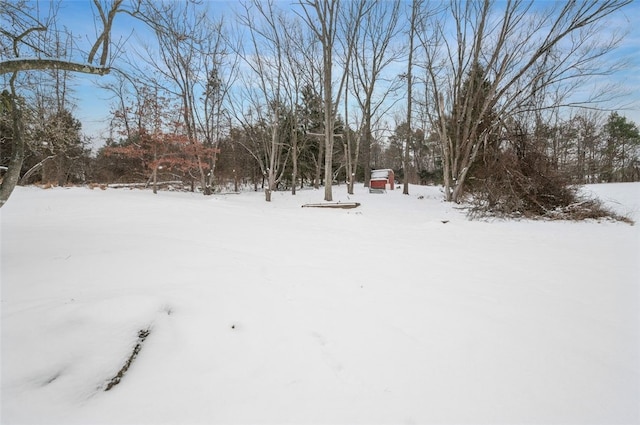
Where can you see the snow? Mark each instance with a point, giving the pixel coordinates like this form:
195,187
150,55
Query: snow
268,313
380,174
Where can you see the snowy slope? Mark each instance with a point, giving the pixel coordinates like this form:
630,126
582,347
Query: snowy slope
399,311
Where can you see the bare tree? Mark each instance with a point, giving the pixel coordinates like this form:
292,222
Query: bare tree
311,91
500,57
53,134
409,76
182,30
351,152
26,46
266,60
295,67
323,18
373,53
220,66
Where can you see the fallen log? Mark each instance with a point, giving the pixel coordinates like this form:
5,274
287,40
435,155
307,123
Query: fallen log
343,205
147,184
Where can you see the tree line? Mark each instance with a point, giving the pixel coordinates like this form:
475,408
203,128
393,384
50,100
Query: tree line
480,97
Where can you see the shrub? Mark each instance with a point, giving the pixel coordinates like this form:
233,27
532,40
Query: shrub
513,184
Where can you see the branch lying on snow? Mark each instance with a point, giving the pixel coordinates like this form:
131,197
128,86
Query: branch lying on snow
586,209
126,185
142,335
343,205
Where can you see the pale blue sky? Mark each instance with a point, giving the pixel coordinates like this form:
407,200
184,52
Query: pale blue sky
93,103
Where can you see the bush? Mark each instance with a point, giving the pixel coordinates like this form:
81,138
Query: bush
511,184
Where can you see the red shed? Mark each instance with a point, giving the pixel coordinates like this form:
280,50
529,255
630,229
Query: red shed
381,180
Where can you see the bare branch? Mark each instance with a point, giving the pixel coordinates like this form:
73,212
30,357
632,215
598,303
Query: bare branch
104,38
34,64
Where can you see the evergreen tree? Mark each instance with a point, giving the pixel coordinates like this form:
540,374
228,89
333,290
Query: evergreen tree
621,153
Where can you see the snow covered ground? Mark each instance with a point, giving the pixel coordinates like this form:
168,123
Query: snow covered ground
399,311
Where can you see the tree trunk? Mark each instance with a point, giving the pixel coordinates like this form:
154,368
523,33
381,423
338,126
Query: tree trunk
407,157
294,158
189,121
445,144
208,190
348,164
155,170
366,150
61,172
328,123
12,175
272,158
318,174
